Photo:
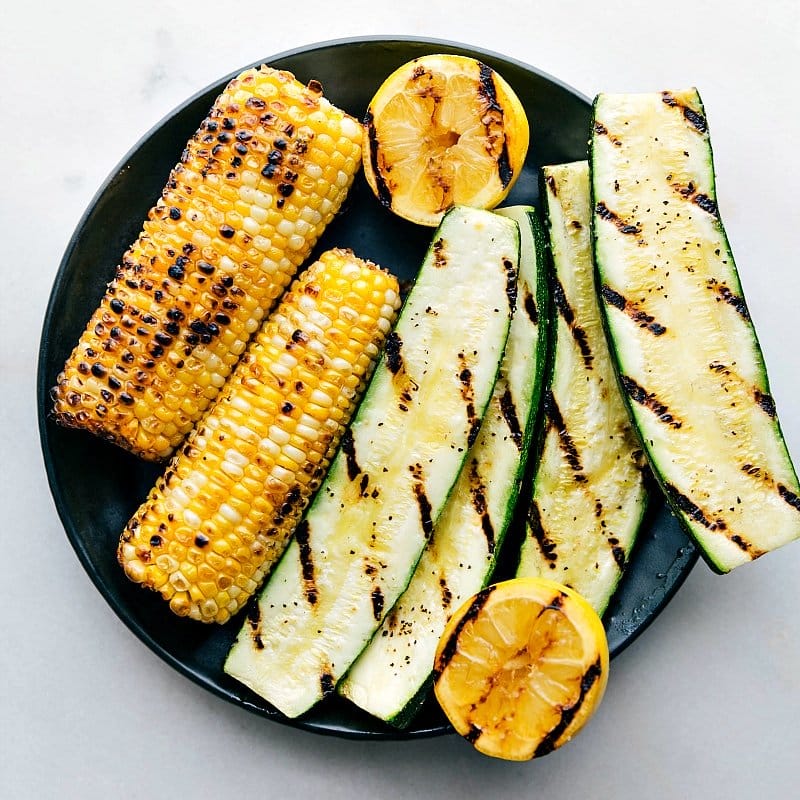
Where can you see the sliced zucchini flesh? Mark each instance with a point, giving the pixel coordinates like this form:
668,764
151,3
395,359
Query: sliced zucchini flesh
360,541
391,677
588,494
685,346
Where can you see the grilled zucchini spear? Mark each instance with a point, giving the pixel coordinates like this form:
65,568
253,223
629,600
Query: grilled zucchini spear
255,187
356,549
685,347
392,675
220,516
588,490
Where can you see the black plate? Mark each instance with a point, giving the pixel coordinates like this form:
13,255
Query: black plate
97,487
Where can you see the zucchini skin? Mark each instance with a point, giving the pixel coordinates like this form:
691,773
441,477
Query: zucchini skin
588,494
393,674
692,386
357,547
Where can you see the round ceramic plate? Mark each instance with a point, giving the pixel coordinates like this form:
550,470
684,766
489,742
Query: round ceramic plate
97,487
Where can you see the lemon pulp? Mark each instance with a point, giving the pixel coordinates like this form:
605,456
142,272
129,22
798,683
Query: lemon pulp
444,130
521,667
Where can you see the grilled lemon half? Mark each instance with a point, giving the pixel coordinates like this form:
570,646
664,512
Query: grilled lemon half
443,130
521,667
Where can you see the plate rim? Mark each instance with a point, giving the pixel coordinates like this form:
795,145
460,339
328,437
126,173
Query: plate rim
43,386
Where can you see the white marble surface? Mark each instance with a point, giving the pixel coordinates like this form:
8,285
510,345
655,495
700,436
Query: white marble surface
705,705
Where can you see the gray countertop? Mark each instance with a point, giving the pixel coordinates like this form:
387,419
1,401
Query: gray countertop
705,704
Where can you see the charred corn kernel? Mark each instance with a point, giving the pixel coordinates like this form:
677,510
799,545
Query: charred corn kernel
216,251
221,514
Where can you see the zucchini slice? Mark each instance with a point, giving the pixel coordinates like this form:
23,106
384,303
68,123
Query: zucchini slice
686,350
391,677
588,494
356,549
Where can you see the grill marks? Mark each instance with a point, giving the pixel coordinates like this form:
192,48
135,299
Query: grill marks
301,536
605,213
703,201
468,395
550,740
349,449
602,130
577,331
724,293
509,412
377,602
529,304
450,648
692,510
424,505
650,401
711,522
565,440
694,118
254,621
790,497
619,555
394,360
327,683
511,284
439,253
404,385
546,545
633,310
765,402
384,193
733,383
488,92
477,491
761,475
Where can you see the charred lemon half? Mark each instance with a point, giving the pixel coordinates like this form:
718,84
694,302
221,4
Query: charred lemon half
443,130
521,667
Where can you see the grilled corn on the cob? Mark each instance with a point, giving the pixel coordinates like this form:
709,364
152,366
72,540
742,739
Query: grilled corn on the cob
221,514
255,187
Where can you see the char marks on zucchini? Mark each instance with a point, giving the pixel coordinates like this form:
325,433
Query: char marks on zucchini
588,493
578,333
477,490
703,388
689,192
306,563
510,416
693,117
650,401
529,304
732,299
633,310
535,529
604,212
556,421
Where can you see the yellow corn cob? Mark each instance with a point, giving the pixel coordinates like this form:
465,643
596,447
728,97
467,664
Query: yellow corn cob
214,524
257,184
